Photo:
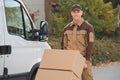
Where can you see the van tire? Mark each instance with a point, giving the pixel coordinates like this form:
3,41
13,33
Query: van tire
33,71
34,75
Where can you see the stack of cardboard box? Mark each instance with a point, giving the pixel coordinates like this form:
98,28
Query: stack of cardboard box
61,65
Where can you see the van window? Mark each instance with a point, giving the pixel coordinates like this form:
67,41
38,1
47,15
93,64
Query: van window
18,22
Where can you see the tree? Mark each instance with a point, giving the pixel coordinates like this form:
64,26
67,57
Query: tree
114,2
99,14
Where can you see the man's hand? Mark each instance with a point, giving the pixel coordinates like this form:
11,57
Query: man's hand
85,66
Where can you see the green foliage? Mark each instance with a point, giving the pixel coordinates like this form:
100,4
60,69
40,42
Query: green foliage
102,16
57,24
106,50
54,41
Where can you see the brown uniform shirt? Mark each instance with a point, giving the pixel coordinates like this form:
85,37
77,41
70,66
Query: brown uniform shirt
79,37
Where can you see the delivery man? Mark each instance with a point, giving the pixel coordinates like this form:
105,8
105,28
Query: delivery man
79,35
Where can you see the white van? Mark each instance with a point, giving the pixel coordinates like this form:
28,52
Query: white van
21,48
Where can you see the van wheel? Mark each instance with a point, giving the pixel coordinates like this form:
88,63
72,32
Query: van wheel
34,75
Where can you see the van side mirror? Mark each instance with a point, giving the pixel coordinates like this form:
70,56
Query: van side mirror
43,33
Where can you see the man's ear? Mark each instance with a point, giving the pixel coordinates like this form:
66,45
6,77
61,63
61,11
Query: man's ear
82,12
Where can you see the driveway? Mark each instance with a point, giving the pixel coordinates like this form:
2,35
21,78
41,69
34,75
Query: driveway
111,72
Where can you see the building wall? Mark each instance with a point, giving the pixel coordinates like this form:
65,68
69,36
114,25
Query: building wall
40,9
48,8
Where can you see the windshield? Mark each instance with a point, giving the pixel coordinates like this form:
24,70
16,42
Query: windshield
18,21
9,3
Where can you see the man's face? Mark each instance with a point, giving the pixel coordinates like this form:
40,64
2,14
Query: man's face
76,14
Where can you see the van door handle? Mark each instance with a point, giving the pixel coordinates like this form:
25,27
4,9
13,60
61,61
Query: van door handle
5,49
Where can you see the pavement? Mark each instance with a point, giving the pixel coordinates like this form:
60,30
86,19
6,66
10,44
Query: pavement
110,72
103,72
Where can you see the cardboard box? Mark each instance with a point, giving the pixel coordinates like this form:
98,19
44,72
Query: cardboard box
44,74
70,60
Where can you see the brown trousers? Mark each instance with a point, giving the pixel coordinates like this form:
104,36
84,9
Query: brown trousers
87,74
